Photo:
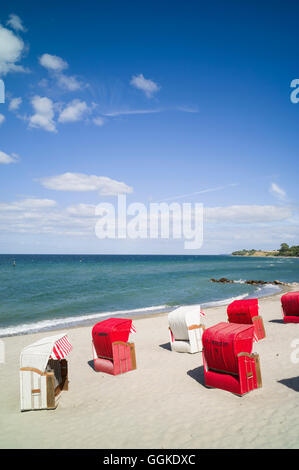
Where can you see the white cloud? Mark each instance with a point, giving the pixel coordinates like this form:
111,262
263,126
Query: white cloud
82,210
82,182
98,121
11,50
43,83
44,114
6,159
15,23
15,104
149,87
69,82
56,65
74,111
2,119
247,214
28,204
43,216
53,62
277,192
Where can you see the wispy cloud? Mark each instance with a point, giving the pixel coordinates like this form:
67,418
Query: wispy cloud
28,204
14,104
16,23
127,112
2,119
98,121
6,159
278,192
187,109
203,191
70,83
247,214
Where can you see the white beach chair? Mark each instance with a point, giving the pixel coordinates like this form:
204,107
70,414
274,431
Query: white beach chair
44,372
185,329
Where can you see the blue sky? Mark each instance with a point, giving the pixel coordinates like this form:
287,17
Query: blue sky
165,99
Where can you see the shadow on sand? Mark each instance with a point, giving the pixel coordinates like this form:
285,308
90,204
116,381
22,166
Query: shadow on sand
165,346
91,364
292,383
198,375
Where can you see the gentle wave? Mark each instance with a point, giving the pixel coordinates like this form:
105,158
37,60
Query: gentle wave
56,323
43,325
218,303
265,290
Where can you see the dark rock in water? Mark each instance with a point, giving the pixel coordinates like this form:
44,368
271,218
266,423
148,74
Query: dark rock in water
256,282
253,282
222,279
280,283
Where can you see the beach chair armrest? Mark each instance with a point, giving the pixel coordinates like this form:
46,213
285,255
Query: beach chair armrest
195,334
249,372
194,327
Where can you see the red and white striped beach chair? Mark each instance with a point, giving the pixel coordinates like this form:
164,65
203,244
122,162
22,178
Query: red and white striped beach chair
185,329
290,307
227,359
112,353
44,372
246,312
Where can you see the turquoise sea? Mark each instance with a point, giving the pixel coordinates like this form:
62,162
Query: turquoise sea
48,291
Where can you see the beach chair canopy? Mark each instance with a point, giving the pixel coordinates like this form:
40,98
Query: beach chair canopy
109,331
242,311
223,342
181,318
290,303
52,347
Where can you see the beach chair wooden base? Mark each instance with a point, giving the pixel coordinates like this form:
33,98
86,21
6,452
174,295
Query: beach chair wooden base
42,390
123,360
248,379
290,319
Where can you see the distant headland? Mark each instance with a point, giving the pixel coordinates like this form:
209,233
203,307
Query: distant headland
284,250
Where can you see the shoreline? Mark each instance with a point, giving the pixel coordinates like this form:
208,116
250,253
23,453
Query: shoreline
138,316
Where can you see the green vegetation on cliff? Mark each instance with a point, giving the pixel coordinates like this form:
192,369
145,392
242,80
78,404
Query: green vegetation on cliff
285,250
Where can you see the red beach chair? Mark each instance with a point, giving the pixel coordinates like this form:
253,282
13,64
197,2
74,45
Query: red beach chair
227,359
246,312
290,307
112,353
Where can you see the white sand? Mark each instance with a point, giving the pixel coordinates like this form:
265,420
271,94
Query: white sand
162,404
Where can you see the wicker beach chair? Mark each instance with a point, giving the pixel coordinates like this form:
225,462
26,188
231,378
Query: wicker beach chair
112,353
227,359
290,307
246,312
185,329
44,372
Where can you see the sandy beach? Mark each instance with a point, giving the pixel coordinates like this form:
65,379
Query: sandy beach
162,404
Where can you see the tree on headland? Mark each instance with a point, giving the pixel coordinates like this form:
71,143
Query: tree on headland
286,250
284,247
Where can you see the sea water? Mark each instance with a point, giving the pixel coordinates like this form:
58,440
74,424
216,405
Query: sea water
41,292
